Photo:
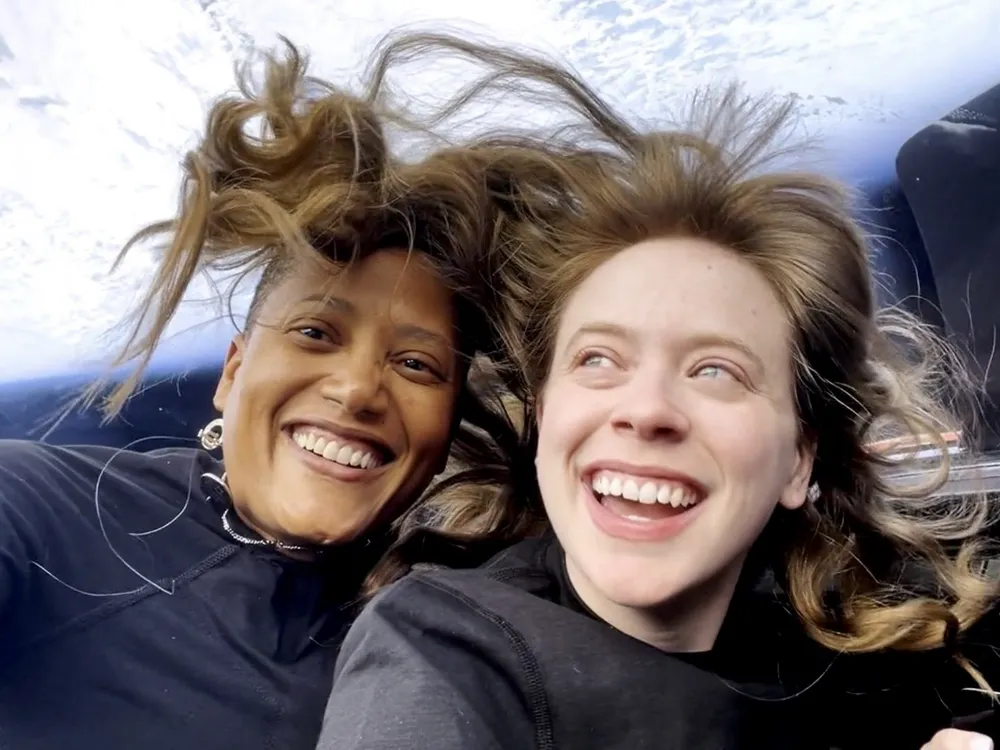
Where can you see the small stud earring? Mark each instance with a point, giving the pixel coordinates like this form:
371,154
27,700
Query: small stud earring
813,493
211,435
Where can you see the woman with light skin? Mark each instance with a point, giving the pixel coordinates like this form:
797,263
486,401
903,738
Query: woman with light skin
731,564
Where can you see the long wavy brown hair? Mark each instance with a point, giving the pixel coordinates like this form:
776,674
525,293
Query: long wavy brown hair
881,560
295,169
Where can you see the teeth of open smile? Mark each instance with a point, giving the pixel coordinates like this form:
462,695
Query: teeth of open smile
346,454
642,490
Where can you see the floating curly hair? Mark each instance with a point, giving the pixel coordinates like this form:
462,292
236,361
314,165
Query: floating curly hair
294,169
883,559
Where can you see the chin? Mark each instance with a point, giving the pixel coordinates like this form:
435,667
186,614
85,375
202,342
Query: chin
329,532
633,584
639,594
311,523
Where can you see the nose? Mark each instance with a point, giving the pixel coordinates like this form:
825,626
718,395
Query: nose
356,384
650,409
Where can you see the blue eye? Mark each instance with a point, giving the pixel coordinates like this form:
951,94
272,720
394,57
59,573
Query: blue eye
716,372
595,360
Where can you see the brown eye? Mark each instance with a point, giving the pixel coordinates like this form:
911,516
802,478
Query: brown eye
419,369
415,364
320,334
312,333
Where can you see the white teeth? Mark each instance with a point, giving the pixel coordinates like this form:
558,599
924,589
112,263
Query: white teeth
344,455
630,490
331,450
647,494
679,498
643,491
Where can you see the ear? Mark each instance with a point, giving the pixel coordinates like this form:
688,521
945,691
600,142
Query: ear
536,417
795,492
234,358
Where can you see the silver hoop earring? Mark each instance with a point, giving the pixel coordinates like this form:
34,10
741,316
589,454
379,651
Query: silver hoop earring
211,435
813,493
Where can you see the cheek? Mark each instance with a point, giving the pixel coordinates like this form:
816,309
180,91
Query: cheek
261,392
428,420
754,449
570,415
272,373
239,407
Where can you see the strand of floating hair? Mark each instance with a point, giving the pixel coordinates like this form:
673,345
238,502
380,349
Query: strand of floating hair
187,499
781,699
71,587
80,591
100,519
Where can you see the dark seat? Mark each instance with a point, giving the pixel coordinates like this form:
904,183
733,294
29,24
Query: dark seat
902,270
167,408
950,174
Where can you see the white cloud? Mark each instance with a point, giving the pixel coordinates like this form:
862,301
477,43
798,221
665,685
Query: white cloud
99,100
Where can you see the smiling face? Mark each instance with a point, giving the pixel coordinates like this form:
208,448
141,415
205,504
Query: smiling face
338,404
668,435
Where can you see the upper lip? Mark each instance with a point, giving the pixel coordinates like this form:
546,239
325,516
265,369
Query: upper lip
641,470
348,433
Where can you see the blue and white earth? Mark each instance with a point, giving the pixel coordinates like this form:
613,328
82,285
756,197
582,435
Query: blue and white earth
99,100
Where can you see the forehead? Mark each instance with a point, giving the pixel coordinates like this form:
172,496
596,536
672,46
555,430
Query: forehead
679,287
397,284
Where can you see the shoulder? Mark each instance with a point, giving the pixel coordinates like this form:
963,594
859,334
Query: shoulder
33,454
476,607
50,472
443,616
57,501
454,670
81,524
36,478
448,603
509,581
23,462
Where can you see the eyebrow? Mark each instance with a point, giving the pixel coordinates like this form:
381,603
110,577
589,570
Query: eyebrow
605,329
712,339
335,303
419,333
404,330
697,341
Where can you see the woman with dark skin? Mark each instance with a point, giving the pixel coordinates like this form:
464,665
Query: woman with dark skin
196,597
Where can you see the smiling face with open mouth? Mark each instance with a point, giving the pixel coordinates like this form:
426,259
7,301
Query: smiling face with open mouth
668,435
339,400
